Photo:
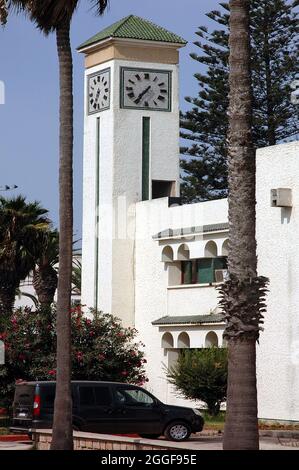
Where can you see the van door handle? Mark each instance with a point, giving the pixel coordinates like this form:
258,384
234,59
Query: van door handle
121,410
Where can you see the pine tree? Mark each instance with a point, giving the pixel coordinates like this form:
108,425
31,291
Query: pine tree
274,43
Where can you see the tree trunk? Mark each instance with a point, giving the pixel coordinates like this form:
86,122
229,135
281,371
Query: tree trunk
241,426
62,438
7,301
45,281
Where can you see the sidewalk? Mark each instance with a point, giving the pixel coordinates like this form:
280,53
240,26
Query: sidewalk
195,443
15,446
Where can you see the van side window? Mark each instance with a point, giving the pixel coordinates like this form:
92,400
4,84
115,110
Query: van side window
103,396
87,397
133,397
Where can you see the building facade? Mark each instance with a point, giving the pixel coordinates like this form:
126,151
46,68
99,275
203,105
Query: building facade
154,262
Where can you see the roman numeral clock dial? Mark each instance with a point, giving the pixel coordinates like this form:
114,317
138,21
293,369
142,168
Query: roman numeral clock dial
146,89
98,91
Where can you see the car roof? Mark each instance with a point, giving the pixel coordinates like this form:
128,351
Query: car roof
87,382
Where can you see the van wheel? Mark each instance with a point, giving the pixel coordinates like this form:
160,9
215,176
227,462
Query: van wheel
150,436
177,431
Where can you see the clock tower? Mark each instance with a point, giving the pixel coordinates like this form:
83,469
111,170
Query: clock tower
131,151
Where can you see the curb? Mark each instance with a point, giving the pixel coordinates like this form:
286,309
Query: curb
280,434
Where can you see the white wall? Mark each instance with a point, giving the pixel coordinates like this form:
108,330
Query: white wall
278,255
153,299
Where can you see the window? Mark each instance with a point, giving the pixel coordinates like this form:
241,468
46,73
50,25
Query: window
167,254
48,397
167,340
133,397
211,340
162,189
202,271
183,340
87,397
103,396
188,272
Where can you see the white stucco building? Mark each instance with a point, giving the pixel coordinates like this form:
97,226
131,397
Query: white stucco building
154,262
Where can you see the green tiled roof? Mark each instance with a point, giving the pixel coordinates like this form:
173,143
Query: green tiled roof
180,232
190,319
134,27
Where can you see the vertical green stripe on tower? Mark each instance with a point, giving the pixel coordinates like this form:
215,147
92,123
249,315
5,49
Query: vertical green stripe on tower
97,202
145,157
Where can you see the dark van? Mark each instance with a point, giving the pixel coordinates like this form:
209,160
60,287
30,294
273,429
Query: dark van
104,407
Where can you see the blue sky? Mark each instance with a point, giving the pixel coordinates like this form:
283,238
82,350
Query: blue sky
29,118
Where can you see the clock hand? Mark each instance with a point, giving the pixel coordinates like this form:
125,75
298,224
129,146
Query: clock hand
138,99
97,94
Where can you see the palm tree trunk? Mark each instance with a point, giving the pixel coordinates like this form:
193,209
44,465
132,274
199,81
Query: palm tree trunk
45,281
62,427
7,301
241,426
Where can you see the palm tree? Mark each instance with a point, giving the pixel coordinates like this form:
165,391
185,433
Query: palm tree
76,276
45,278
21,224
243,295
55,16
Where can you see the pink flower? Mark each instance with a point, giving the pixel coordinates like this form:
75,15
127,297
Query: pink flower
52,372
88,321
124,373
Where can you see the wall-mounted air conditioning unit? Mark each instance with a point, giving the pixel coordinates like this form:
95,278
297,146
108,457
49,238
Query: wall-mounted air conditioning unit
221,275
281,197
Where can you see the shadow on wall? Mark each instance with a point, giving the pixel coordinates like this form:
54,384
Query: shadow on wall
286,213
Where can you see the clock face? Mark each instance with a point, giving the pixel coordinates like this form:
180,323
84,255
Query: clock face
146,89
98,91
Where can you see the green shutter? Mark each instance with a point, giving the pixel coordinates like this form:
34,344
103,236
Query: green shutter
220,263
145,157
187,272
205,271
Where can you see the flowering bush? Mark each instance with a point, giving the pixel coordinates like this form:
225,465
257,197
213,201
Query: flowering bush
102,349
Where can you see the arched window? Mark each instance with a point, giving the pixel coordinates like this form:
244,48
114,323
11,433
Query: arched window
211,340
167,254
225,248
183,252
183,340
167,340
211,250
